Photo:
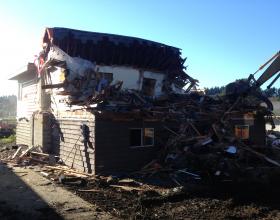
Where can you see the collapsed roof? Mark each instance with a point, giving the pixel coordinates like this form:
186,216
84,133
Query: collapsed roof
110,49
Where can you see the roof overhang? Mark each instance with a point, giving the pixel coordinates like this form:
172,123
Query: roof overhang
28,71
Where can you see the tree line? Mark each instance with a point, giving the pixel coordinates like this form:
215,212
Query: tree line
8,106
272,92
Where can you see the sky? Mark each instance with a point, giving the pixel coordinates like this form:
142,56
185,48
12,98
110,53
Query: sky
223,40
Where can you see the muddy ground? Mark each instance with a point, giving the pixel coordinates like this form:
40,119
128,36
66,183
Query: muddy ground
196,201
215,202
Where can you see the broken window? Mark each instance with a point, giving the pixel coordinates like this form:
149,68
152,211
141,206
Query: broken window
141,137
107,76
148,86
148,138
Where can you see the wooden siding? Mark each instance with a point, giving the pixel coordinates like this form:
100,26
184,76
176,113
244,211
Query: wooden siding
25,108
29,100
113,153
23,132
71,148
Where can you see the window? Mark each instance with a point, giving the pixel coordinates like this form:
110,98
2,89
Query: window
148,137
141,137
148,86
242,131
107,76
135,136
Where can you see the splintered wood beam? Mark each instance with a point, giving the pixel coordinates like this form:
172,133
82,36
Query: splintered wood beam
52,86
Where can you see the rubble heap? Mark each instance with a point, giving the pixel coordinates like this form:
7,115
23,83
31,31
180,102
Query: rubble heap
202,140
206,145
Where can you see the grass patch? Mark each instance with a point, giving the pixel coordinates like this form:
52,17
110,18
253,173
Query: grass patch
8,140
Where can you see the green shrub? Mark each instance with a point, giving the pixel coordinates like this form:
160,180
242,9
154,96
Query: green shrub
8,140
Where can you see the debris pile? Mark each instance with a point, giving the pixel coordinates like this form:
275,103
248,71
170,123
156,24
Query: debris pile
82,84
22,155
204,144
186,159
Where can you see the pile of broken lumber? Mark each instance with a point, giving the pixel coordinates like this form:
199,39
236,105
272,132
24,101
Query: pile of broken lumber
24,156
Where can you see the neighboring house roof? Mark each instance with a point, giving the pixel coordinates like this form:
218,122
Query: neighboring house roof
111,49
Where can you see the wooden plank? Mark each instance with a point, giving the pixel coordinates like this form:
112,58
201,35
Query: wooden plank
70,142
70,137
127,188
76,121
74,126
24,141
66,169
16,153
79,156
25,152
78,159
24,125
24,135
23,129
89,190
52,86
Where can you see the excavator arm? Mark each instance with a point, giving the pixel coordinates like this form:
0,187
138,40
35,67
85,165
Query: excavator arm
271,70
251,86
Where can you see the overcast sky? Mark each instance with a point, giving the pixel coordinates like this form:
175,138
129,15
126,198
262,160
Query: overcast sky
223,40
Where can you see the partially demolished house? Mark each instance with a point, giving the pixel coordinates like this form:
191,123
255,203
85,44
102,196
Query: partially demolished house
109,104
81,98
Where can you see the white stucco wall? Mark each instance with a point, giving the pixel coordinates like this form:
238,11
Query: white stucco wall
132,78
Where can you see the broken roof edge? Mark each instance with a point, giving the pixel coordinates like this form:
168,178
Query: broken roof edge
52,32
117,50
111,49
27,69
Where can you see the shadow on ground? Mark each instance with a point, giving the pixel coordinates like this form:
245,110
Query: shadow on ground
19,201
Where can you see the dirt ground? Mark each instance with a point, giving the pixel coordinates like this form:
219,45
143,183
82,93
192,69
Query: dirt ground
216,202
26,194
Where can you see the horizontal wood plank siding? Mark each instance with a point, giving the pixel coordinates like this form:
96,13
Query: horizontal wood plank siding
113,153
71,148
23,132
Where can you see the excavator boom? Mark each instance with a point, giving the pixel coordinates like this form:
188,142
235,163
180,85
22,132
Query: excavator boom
273,68
250,86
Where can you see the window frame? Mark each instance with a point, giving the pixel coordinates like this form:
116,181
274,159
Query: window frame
142,138
144,88
107,73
